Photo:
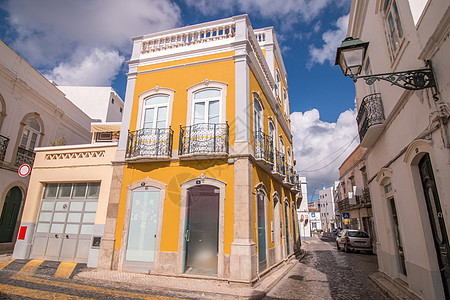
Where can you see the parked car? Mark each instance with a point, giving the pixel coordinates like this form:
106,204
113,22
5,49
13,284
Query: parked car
357,240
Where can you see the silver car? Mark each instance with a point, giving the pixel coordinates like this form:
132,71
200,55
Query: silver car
358,240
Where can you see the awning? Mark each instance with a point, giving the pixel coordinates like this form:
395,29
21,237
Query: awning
105,127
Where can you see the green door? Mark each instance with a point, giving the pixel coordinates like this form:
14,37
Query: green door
9,215
437,222
261,232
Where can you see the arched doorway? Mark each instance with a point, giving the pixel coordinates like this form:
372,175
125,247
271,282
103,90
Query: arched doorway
202,230
9,215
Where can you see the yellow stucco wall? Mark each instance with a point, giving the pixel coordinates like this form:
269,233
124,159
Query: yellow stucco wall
179,75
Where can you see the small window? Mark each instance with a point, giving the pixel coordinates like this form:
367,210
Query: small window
93,190
112,101
393,27
50,190
121,110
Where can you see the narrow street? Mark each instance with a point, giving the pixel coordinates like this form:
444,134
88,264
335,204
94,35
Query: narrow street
326,273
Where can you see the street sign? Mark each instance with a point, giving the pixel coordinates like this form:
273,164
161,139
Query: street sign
346,215
24,170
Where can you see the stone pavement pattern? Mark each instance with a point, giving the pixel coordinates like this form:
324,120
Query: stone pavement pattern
328,274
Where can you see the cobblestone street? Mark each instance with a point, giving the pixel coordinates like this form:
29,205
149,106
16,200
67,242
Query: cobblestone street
326,273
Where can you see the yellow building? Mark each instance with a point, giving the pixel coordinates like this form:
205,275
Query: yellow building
204,162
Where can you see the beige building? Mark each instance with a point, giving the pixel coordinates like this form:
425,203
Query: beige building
65,210
354,194
406,137
33,113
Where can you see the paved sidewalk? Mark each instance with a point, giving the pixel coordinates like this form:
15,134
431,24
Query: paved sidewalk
194,286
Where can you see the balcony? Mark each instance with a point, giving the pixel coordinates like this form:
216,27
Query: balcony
297,184
3,145
24,156
263,150
289,180
361,201
370,119
149,144
279,170
204,140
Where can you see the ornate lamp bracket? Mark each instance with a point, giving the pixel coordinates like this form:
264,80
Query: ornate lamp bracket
411,80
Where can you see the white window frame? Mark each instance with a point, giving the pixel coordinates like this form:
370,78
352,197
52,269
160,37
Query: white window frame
30,131
286,103
207,84
260,114
278,85
394,35
155,91
207,101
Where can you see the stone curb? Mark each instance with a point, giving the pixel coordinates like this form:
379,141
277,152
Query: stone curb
391,288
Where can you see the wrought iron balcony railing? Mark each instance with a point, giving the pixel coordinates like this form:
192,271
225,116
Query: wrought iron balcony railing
280,163
361,201
204,138
290,175
370,113
3,145
297,183
24,156
150,143
263,147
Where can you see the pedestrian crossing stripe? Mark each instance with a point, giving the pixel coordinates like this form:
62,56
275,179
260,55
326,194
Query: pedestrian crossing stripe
31,266
5,263
85,288
37,294
65,269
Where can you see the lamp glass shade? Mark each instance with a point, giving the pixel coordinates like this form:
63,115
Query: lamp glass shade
350,56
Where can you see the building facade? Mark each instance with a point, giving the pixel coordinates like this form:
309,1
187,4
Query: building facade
202,177
33,113
327,207
353,202
102,104
406,137
303,211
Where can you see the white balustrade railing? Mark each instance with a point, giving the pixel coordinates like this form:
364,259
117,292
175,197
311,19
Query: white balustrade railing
193,37
254,40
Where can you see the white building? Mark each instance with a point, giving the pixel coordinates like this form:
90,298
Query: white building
303,211
326,205
314,219
406,136
102,104
33,113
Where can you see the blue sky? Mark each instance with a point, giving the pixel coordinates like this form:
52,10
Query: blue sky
87,43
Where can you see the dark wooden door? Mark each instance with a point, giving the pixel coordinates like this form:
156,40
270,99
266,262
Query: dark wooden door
436,221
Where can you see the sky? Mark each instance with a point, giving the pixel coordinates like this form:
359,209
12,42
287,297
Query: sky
88,43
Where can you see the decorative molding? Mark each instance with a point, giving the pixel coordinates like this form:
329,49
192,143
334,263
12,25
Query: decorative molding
74,155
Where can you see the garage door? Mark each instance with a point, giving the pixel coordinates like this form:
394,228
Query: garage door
66,222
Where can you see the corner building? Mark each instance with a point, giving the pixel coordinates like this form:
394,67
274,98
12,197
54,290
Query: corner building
205,158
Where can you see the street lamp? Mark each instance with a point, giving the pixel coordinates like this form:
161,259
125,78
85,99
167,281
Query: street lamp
350,57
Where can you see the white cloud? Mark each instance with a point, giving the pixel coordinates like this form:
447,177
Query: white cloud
331,40
321,147
96,69
50,32
306,9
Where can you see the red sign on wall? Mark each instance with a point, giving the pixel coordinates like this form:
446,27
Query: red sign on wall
22,231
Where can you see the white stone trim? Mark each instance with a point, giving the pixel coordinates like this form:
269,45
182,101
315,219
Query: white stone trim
206,84
155,91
